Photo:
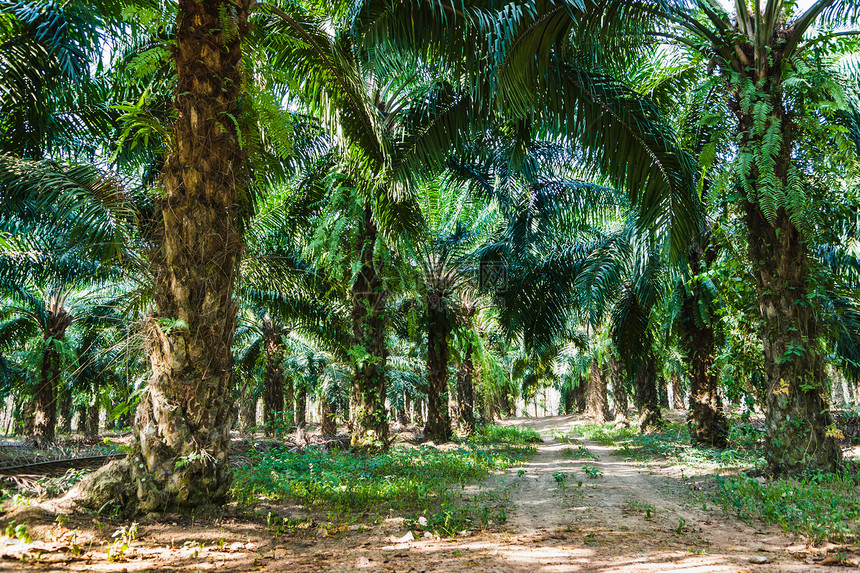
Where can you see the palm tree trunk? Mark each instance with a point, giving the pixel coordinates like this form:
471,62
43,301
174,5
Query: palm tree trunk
578,395
370,420
91,423
708,424
677,392
619,390
301,407
44,405
798,418
466,392
650,416
596,400
182,428
273,411
327,417
438,426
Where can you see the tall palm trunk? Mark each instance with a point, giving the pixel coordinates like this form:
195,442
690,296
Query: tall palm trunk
182,427
466,392
44,405
797,437
438,426
596,400
301,406
274,377
91,422
650,416
328,419
619,390
677,392
370,420
707,422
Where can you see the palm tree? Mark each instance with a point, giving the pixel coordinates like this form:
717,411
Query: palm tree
185,413
760,57
391,120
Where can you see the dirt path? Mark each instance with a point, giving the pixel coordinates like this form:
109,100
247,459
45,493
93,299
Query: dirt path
616,517
573,507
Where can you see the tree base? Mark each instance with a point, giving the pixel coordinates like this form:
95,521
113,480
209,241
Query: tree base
107,488
707,426
650,419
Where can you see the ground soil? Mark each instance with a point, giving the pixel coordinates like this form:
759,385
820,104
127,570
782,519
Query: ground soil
624,517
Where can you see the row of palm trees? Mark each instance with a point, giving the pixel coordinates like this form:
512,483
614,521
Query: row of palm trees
424,196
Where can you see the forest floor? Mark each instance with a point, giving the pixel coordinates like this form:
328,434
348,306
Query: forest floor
573,506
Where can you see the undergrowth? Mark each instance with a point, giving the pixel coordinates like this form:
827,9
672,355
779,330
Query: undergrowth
822,506
405,481
673,442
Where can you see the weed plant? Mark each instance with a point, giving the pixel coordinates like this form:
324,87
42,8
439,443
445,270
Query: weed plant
404,481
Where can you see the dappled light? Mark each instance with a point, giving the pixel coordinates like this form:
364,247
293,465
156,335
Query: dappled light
429,285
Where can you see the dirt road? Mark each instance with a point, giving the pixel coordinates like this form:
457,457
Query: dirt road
574,506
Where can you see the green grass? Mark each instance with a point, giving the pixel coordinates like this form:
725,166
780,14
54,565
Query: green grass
821,506
512,435
402,482
673,443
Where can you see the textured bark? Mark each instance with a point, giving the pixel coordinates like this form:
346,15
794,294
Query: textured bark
273,410
596,399
650,416
677,393
368,415
181,431
301,407
328,425
708,424
797,416
44,405
91,421
438,427
619,390
466,393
